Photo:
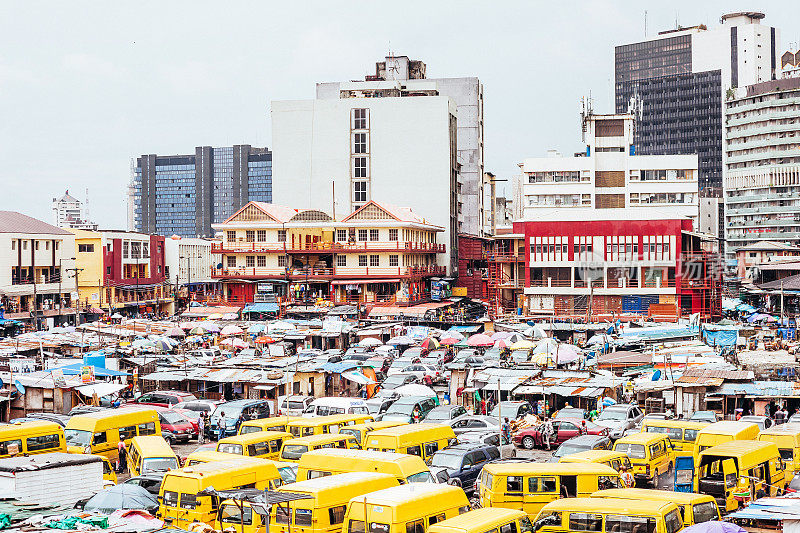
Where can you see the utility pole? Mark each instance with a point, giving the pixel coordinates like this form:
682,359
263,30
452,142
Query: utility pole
75,271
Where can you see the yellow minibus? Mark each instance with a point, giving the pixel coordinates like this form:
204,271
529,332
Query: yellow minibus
605,457
695,508
787,438
529,486
100,432
288,471
333,461
179,503
740,471
361,431
682,433
489,520
151,453
263,444
414,439
30,438
279,423
319,425
724,431
408,508
650,453
293,449
324,511
608,515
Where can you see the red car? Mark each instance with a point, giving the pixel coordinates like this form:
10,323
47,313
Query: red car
177,423
163,398
565,429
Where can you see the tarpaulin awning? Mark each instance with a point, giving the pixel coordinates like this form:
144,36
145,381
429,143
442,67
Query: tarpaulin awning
465,329
100,389
266,307
363,281
357,377
338,368
75,369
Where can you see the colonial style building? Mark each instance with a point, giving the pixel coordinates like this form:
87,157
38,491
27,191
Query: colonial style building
379,253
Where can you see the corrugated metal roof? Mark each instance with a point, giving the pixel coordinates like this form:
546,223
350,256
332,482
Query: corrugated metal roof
14,222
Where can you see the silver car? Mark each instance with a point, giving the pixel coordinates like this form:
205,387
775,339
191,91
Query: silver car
618,418
465,423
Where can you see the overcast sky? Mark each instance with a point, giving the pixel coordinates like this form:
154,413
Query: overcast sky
85,86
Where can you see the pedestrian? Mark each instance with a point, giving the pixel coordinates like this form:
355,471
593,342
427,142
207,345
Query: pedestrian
239,421
122,461
583,429
483,406
547,431
626,477
201,427
506,429
416,414
221,423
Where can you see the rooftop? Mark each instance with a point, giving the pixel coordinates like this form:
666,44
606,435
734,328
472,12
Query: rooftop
14,222
769,246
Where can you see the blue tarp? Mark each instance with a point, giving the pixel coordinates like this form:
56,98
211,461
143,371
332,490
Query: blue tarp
656,333
338,368
465,329
75,369
721,337
261,308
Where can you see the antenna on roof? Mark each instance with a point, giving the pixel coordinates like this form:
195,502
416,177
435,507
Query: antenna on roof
645,24
86,208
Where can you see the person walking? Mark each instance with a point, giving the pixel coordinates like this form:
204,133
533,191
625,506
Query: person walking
626,477
547,431
201,427
507,429
416,414
222,423
122,461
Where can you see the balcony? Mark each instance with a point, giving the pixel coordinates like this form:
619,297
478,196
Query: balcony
301,274
326,247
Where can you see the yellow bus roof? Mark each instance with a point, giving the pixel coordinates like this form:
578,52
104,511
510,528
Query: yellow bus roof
213,468
610,505
374,426
347,417
29,427
209,456
484,519
522,469
319,458
322,438
729,427
256,436
155,445
89,421
783,430
409,433
750,451
415,498
592,456
683,424
641,438
272,421
681,498
322,420
346,484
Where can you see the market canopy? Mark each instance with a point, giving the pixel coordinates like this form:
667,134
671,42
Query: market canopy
100,389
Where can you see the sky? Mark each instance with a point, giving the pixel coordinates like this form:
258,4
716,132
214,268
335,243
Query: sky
86,86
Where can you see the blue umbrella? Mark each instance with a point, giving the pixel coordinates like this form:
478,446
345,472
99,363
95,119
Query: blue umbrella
256,328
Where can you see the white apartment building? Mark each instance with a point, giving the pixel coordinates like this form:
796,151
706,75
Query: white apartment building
187,260
335,155
68,212
609,176
33,258
762,175
467,94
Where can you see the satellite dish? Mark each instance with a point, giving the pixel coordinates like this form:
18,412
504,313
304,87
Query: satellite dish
19,386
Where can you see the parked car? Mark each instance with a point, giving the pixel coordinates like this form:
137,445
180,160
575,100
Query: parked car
199,406
403,409
293,405
437,358
398,380
492,438
762,422
461,464
445,413
378,405
469,422
512,410
617,418
413,353
178,424
336,405
420,371
704,416
150,481
571,412
83,409
163,398
398,365
581,443
493,353
249,409
564,429
170,437
61,420
470,362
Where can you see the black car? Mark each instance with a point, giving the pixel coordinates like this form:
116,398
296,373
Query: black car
462,464
581,444
150,481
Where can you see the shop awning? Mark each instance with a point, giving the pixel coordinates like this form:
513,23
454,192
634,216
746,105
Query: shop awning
357,377
266,307
101,389
363,281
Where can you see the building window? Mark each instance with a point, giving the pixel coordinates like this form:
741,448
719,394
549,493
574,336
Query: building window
392,234
374,260
360,169
362,260
262,235
362,235
231,236
341,260
57,244
360,143
24,245
281,260
145,250
374,235
158,269
250,235
13,245
250,261
36,245
46,245
360,119
341,235
393,261
86,248
262,260
108,271
281,235
231,261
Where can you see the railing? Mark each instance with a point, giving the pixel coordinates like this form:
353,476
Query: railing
300,273
327,247
505,257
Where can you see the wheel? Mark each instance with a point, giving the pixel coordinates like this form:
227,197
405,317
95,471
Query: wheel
527,443
454,481
656,480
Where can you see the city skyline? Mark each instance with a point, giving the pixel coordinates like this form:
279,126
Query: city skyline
97,90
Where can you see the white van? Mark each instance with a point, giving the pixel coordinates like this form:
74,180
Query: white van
334,405
293,405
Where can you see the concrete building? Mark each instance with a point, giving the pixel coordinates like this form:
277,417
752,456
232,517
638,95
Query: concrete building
680,77
378,254
188,263
34,284
335,155
608,177
760,253
762,179
68,212
184,194
122,272
466,93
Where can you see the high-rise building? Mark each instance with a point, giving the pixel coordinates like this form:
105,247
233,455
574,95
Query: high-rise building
466,93
184,194
68,212
681,78
762,174
335,155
